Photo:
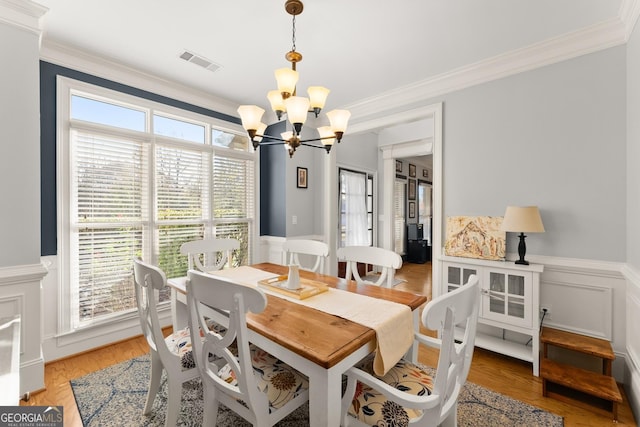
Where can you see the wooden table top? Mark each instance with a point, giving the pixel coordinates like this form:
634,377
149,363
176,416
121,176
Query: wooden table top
320,337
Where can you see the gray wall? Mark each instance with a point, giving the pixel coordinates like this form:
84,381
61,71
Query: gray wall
358,152
633,149
552,137
273,175
303,202
19,147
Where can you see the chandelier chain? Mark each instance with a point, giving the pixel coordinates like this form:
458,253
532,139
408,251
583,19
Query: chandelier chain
293,34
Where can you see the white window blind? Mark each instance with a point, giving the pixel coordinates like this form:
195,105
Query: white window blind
233,200
108,189
132,192
182,203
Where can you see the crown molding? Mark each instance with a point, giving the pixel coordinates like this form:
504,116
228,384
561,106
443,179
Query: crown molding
23,14
609,33
629,13
368,112
76,59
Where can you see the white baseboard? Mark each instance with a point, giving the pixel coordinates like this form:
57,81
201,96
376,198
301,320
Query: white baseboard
632,387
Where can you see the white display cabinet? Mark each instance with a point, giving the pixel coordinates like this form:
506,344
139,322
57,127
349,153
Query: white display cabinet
509,301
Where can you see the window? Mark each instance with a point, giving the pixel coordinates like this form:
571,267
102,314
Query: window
356,208
140,178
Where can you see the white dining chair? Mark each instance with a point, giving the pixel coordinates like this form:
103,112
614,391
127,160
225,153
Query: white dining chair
209,254
386,261
407,394
253,383
171,354
315,250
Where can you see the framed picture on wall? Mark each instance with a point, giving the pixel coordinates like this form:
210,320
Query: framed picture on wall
425,173
412,170
412,209
398,166
302,178
412,189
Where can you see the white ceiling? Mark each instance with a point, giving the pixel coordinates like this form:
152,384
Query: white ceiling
357,48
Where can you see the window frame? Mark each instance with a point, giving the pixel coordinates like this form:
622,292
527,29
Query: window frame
66,88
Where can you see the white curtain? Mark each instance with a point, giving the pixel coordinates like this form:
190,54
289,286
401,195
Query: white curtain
355,188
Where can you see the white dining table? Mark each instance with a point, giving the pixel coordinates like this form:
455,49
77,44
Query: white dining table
320,345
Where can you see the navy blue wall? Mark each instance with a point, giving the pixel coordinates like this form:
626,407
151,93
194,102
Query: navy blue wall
48,74
273,202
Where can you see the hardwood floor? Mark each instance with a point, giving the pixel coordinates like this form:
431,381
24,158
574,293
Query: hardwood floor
493,371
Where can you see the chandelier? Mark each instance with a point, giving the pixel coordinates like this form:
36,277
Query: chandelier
284,100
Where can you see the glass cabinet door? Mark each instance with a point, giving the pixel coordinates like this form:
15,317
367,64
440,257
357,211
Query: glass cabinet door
497,293
457,276
506,297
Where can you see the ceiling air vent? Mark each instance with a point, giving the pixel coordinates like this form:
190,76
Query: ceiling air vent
199,60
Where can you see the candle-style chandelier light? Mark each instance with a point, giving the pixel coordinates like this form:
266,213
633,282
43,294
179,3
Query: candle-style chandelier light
296,107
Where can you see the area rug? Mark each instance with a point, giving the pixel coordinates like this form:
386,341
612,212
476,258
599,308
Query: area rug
115,396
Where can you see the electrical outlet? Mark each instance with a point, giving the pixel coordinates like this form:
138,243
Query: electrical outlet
543,308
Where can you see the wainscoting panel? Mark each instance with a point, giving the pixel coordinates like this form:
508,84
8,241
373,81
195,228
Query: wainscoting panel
12,305
20,295
586,297
271,249
565,314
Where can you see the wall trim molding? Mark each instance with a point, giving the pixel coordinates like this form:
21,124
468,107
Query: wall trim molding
21,273
632,275
629,13
79,60
372,112
610,33
576,265
375,123
23,14
21,294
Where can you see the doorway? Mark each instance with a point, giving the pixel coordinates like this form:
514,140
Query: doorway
429,142
405,147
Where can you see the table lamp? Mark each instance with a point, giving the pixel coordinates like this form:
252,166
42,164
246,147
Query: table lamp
522,219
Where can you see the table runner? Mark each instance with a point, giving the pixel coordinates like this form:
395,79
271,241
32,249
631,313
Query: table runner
394,330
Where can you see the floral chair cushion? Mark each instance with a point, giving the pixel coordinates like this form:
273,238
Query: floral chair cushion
373,408
179,343
279,381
